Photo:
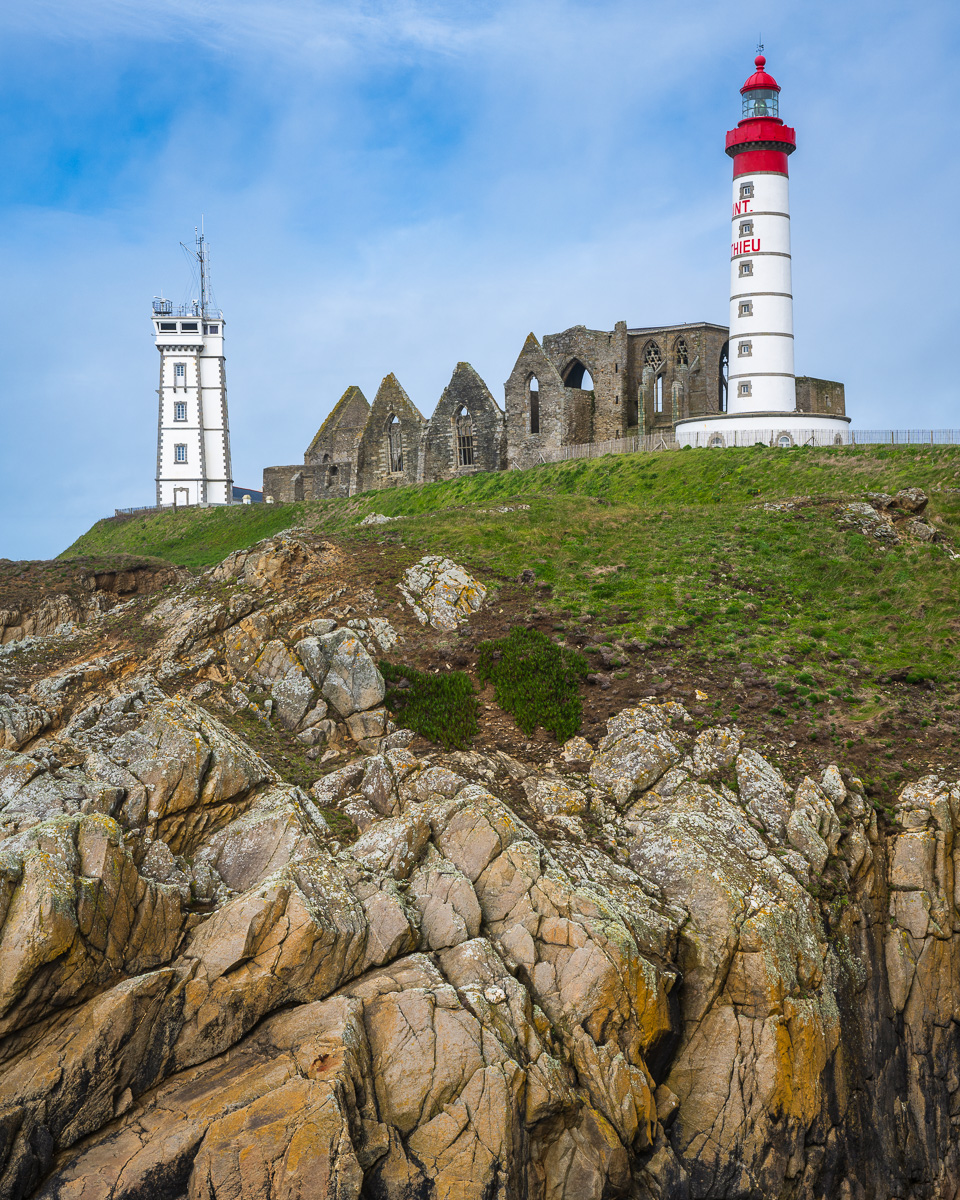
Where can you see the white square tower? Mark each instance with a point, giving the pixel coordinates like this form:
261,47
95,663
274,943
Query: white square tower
193,435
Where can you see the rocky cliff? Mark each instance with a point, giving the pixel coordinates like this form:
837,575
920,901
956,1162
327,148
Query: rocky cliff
258,942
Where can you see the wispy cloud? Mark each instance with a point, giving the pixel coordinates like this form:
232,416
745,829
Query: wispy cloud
396,186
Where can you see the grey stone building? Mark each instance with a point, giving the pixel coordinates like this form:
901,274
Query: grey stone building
329,463
390,451
466,432
575,387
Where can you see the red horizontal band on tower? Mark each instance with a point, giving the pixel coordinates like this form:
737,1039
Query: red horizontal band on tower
750,161
761,129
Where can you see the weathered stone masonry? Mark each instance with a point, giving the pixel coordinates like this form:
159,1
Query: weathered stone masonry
576,387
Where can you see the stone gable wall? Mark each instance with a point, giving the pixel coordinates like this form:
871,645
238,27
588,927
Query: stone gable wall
440,457
339,436
524,447
373,455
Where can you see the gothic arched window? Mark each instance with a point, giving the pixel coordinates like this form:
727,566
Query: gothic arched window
683,356
395,444
577,376
464,424
534,404
652,356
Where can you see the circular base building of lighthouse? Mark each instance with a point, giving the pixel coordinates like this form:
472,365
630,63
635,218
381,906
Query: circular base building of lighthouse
776,429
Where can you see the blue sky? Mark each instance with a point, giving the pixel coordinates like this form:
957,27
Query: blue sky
399,186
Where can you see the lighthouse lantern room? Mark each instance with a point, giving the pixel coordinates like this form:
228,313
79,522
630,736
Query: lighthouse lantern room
759,401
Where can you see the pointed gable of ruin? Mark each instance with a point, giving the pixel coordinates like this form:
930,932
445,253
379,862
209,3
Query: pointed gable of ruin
392,400
374,468
533,360
526,445
468,390
340,433
466,431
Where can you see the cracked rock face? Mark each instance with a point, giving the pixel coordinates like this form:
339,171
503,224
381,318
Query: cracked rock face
665,973
441,593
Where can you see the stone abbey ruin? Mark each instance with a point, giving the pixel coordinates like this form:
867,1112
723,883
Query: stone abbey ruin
574,388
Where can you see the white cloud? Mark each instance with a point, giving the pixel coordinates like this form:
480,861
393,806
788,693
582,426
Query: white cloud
395,187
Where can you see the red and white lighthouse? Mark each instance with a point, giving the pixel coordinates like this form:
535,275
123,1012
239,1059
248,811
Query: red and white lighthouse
761,376
758,399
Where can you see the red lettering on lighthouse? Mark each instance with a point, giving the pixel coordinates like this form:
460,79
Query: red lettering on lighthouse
747,246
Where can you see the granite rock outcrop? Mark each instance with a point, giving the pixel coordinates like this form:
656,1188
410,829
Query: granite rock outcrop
656,969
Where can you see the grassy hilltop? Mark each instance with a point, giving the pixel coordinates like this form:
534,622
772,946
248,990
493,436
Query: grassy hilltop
661,546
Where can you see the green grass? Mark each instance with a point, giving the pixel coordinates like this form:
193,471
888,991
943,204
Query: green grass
663,547
189,537
441,707
535,680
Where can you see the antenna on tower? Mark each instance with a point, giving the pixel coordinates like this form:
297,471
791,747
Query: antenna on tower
760,43
201,254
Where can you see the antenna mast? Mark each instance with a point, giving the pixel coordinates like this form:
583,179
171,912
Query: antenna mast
200,254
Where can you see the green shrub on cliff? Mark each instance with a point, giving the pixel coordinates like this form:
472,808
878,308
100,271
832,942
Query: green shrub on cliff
441,708
535,680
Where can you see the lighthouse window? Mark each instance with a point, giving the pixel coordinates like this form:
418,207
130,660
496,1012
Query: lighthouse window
761,102
211,329
746,191
745,388
745,349
180,410
180,453
179,374
746,228
188,326
746,308
746,267
168,327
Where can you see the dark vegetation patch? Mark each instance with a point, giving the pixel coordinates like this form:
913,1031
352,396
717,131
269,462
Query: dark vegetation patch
535,680
440,707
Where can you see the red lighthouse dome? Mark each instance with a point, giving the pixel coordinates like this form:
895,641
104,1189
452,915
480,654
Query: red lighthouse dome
761,141
760,79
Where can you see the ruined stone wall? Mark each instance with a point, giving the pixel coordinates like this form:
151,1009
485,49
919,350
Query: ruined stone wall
525,445
299,481
822,396
351,451
374,466
689,357
590,414
339,436
443,456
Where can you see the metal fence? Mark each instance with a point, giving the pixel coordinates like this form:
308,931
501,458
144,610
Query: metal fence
753,437
131,512
905,437
629,445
